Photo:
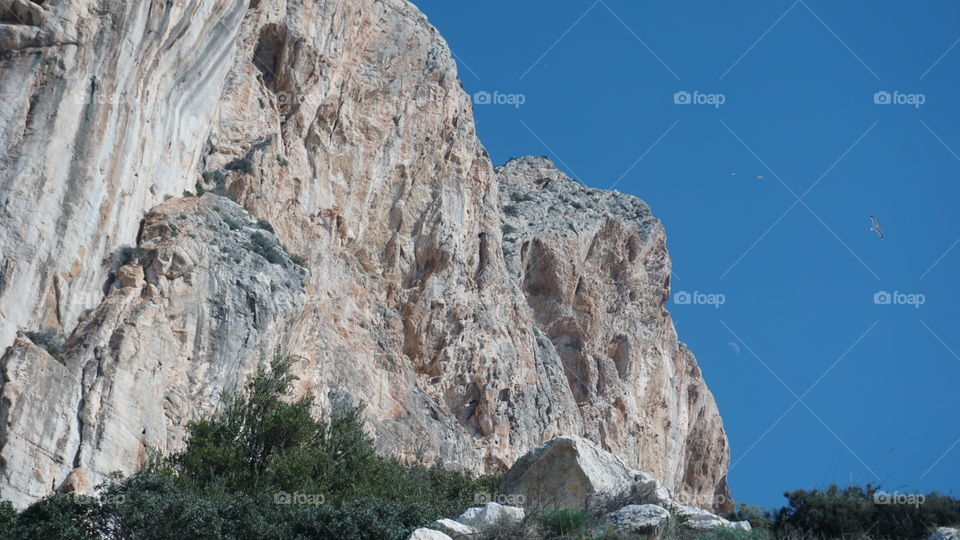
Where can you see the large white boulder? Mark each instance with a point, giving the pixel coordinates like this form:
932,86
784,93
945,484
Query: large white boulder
454,529
637,518
574,472
700,519
650,488
491,515
427,534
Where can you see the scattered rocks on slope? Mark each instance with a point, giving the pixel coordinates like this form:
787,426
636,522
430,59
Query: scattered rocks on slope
574,472
472,523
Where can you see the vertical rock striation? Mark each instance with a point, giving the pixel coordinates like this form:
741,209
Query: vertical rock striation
104,108
476,313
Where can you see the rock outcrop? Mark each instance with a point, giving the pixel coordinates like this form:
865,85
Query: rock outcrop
638,519
476,313
594,268
573,472
491,515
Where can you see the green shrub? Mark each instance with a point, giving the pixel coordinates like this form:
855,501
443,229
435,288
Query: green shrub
676,526
218,179
511,210
215,177
234,224
7,515
733,534
265,247
51,342
265,225
565,521
57,517
297,260
612,533
758,517
242,165
222,191
132,255
507,229
518,197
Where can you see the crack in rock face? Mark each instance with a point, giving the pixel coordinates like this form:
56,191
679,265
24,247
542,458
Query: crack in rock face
475,312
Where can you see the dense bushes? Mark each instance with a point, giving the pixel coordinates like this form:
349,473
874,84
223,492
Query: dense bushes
835,513
854,512
263,467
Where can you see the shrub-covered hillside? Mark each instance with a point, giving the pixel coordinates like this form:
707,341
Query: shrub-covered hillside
264,468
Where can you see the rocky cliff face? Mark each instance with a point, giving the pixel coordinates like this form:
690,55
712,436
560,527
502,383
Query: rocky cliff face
476,313
594,268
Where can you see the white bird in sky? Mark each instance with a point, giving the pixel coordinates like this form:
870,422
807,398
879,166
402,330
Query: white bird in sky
875,226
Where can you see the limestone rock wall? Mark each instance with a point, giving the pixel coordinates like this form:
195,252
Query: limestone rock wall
191,314
594,268
344,126
104,108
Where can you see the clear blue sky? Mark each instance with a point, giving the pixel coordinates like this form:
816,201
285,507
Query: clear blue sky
798,83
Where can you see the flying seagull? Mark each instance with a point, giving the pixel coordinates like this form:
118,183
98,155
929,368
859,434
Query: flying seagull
875,226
